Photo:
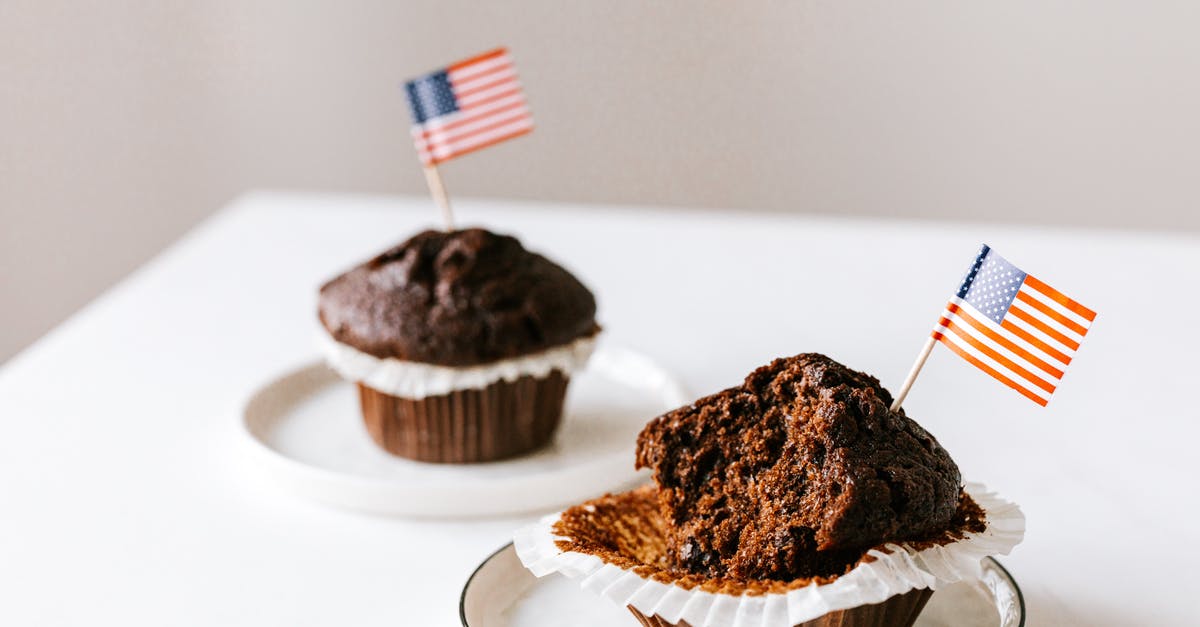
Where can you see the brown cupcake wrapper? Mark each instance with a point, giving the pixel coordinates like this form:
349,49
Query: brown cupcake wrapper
901,610
504,419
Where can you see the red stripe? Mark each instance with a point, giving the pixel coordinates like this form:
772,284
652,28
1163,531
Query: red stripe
995,355
1059,297
478,58
1033,339
480,146
503,67
1000,339
1049,311
449,141
459,95
988,369
1043,327
516,90
473,117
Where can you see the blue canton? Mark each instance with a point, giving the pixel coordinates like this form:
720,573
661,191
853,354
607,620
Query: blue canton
430,96
991,284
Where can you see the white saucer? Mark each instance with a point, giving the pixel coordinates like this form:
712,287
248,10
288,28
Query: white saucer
501,593
305,430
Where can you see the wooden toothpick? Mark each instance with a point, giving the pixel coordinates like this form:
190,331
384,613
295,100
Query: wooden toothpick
438,189
912,374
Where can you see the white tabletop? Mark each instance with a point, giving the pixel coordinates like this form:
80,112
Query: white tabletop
124,499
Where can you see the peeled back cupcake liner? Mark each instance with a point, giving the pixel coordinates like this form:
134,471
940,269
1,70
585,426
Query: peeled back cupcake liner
884,573
416,380
501,420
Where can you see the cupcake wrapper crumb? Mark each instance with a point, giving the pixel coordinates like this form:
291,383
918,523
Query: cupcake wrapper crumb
898,611
891,572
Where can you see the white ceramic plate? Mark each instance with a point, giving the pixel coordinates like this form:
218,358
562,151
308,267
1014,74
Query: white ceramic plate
306,432
501,593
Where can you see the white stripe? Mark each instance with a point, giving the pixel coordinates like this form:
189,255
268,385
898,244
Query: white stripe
1055,306
966,327
437,138
467,71
441,120
1037,333
507,76
997,329
995,365
437,123
466,102
1044,319
449,150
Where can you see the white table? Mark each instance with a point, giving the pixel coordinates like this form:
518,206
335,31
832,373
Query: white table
124,500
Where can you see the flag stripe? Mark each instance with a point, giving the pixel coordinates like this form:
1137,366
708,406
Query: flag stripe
1055,334
988,369
463,146
486,144
464,95
467,72
1024,297
502,73
1046,321
512,94
1052,358
488,134
469,124
460,118
1059,297
1054,305
490,54
956,312
484,96
448,141
1024,334
995,355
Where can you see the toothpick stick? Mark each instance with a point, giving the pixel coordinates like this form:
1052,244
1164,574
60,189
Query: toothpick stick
438,189
912,374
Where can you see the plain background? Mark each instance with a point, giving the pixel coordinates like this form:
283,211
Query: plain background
123,124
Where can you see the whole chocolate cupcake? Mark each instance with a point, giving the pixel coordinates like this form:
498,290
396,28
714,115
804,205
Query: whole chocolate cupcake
462,344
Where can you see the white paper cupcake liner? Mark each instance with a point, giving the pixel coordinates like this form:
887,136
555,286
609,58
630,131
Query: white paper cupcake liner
410,379
896,571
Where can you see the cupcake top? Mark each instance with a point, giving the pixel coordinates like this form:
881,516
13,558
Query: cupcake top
458,298
794,474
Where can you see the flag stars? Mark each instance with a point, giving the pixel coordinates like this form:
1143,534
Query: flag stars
990,285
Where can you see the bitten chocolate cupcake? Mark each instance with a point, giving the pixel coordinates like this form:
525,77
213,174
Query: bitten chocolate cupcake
462,344
797,499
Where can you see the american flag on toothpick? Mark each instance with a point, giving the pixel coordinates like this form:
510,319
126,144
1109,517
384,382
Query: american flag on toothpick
469,105
1010,325
1013,326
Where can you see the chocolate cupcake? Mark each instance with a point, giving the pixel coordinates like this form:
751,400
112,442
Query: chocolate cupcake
795,499
462,344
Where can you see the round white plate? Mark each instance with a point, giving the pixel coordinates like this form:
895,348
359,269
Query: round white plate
501,593
306,431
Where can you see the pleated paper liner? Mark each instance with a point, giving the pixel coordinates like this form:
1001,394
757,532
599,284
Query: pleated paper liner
888,587
901,610
504,419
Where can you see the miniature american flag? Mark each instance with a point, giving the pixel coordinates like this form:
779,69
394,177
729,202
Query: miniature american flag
1013,326
467,106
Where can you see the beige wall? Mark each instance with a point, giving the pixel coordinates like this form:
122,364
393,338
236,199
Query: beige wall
122,124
